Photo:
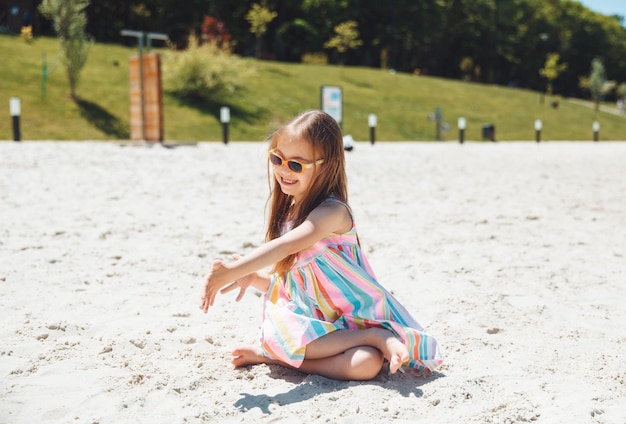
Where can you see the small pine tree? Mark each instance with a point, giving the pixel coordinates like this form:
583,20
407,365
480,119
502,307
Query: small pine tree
69,20
597,82
551,70
346,37
258,17
621,90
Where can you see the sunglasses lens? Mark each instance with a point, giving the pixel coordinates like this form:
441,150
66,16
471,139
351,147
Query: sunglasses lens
275,160
295,166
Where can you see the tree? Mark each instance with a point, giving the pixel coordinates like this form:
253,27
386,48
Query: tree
214,30
346,37
552,69
467,68
506,39
597,83
258,17
597,78
621,90
69,21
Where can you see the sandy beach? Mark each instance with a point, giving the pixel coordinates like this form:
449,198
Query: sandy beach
512,254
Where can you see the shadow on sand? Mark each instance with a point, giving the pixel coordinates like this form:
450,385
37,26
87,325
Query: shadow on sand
309,386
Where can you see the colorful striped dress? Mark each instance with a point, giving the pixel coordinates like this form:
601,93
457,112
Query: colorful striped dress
331,287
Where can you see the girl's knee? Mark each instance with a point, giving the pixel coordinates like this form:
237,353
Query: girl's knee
366,362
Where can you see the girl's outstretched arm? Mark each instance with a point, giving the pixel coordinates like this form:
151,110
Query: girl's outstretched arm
326,219
260,281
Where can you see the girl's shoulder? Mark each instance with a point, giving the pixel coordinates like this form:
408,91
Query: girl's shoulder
334,200
342,208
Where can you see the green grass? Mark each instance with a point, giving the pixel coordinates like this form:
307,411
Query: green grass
276,92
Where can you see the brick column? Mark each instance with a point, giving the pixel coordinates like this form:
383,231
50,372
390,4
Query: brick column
147,121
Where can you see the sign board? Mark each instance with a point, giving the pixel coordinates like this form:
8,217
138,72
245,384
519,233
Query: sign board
332,102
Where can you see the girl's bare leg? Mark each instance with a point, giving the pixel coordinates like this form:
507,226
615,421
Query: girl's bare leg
343,354
339,341
358,363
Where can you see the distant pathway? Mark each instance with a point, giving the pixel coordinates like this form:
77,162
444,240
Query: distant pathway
591,105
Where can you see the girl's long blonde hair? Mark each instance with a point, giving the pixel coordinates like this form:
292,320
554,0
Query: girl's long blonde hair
323,133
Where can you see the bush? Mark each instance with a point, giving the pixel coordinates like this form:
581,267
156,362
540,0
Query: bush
27,33
315,59
203,71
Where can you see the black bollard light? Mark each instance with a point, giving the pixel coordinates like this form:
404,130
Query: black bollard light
462,123
596,130
538,126
372,120
225,119
14,106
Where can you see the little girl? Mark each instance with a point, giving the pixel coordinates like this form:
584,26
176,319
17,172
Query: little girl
324,311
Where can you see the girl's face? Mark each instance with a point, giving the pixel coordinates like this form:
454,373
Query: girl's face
292,183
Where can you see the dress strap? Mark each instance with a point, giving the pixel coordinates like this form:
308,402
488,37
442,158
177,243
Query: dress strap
341,202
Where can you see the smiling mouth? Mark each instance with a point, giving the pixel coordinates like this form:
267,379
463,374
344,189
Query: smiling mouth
286,181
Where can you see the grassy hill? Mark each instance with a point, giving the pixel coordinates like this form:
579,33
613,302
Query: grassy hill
276,92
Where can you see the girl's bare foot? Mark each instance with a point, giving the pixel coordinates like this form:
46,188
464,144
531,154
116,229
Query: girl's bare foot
392,348
249,355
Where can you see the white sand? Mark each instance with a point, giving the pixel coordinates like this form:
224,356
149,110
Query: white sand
512,254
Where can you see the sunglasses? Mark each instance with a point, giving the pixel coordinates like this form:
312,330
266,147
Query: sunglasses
293,165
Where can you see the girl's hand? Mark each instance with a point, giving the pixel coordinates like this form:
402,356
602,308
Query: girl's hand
212,285
243,283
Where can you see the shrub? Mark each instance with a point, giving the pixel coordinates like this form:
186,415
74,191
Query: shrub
27,33
203,71
315,58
